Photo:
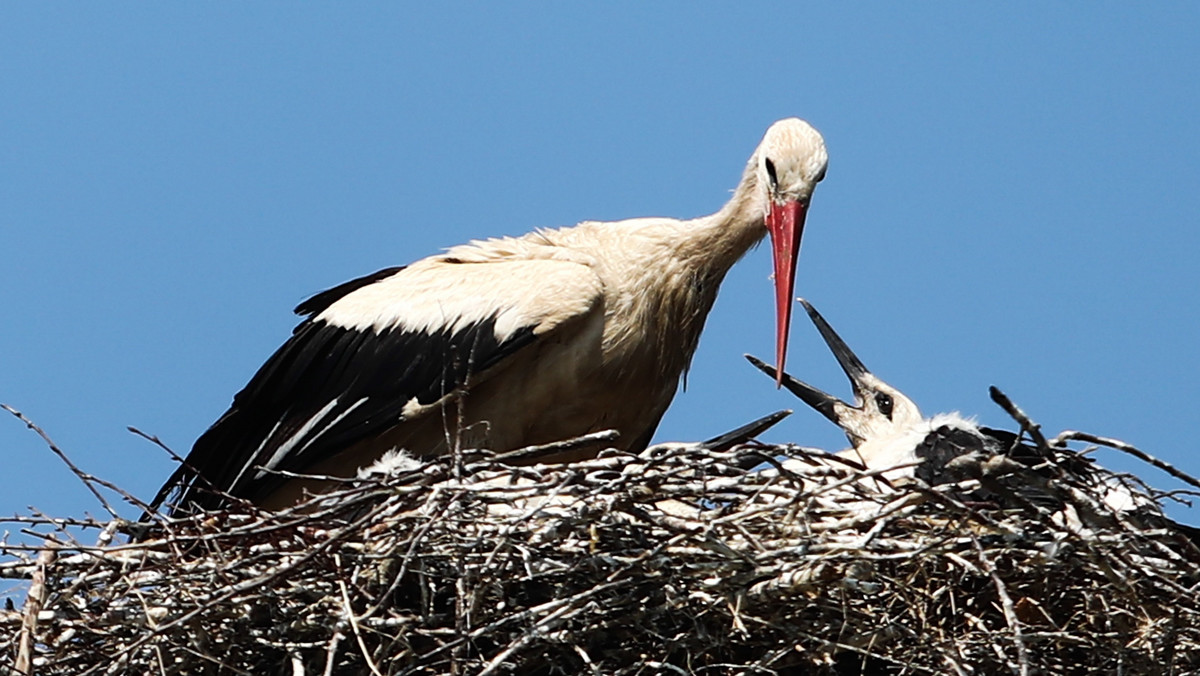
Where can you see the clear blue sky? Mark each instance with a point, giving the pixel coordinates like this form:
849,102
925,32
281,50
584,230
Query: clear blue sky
1012,197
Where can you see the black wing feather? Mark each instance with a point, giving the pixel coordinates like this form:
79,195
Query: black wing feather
317,303
371,375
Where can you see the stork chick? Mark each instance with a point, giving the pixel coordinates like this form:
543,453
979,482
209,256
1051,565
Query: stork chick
502,343
887,430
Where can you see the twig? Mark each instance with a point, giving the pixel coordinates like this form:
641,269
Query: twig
86,478
532,452
348,609
1006,604
150,510
1071,435
157,442
331,652
33,606
1027,425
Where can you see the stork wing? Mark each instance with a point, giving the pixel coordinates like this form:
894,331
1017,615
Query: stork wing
371,352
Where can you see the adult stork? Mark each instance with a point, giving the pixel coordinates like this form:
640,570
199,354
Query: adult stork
501,343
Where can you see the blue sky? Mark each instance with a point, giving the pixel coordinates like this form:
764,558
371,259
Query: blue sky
1011,200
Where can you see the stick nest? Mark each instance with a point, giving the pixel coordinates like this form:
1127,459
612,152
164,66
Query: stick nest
677,560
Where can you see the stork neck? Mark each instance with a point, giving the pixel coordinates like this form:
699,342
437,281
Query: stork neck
724,237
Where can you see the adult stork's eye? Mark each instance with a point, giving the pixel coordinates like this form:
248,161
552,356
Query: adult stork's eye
771,173
884,402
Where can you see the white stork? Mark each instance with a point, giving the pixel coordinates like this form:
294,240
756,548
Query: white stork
886,429
502,343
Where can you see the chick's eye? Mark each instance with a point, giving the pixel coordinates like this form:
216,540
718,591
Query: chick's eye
821,176
884,402
771,172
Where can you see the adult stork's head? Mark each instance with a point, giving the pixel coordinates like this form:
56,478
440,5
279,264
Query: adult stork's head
880,412
789,163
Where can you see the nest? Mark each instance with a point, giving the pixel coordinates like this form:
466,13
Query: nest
682,559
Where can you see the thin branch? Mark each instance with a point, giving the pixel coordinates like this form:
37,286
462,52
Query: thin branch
1006,604
533,452
1071,435
1028,426
348,609
33,607
86,478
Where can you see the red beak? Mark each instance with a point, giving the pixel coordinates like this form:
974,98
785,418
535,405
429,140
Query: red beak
785,222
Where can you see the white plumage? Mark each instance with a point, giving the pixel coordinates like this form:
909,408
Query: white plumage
502,343
887,432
